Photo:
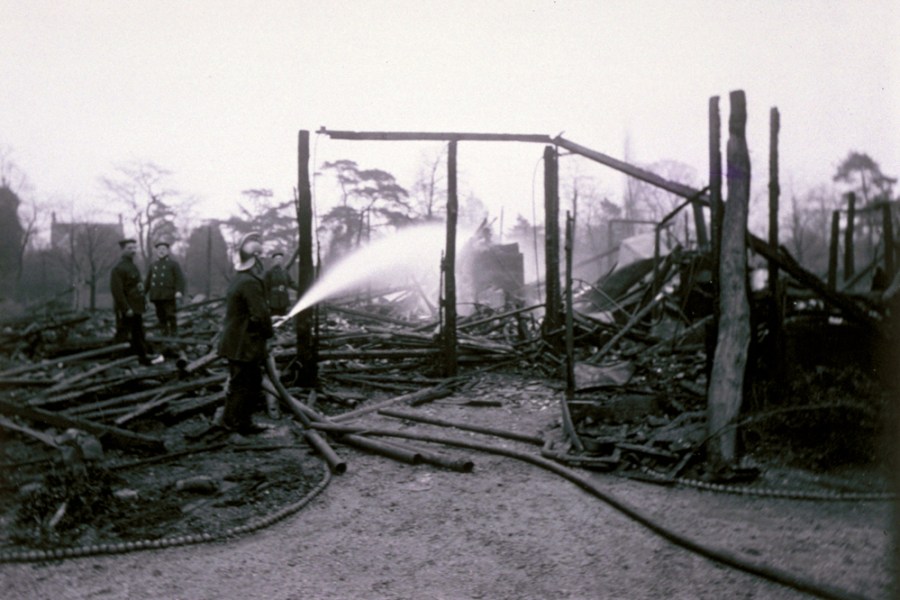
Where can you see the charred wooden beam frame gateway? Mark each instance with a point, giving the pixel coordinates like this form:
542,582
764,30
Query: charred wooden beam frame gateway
709,197
553,321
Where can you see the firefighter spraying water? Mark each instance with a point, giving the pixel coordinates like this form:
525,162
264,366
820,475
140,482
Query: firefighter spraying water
414,252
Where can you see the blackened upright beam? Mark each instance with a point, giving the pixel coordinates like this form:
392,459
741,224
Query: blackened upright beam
568,425
849,267
305,321
715,188
715,224
833,249
726,386
553,317
209,261
570,320
887,223
699,224
450,363
774,193
775,319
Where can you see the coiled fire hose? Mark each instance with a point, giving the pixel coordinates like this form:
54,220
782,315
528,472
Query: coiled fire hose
169,542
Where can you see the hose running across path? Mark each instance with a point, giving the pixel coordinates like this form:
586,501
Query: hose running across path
725,557
721,556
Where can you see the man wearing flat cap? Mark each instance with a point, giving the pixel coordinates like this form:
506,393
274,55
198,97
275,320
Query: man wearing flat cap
277,284
247,327
165,285
128,300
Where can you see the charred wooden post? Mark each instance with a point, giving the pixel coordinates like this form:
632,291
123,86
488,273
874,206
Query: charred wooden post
727,380
715,183
570,341
715,223
887,222
774,193
552,319
849,251
304,322
449,337
775,316
209,261
699,224
833,249
570,326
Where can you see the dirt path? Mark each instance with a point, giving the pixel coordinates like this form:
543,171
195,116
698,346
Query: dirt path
507,530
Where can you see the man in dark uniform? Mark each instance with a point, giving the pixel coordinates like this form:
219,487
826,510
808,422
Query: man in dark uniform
128,299
277,283
248,324
165,285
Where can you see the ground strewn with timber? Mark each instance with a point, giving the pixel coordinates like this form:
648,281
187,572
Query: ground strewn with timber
505,530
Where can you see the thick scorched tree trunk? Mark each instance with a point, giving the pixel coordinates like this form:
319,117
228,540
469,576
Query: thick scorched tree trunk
727,380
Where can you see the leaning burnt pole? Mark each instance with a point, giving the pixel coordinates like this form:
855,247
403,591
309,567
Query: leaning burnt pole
305,320
726,385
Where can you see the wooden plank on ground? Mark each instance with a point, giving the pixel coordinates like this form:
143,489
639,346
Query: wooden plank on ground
121,437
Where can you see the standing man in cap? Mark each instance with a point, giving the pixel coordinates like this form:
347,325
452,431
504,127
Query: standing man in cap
128,299
277,284
165,285
247,327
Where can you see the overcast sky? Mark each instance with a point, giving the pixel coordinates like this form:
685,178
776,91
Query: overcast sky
215,91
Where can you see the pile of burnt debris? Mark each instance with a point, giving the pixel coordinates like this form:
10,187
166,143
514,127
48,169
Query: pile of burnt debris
633,355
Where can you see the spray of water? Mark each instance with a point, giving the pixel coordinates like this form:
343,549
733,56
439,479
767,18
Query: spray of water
410,252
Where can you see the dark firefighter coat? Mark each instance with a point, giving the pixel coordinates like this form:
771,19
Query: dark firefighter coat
277,284
126,287
164,279
248,322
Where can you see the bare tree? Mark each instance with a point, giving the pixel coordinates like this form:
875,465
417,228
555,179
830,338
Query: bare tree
261,211
429,190
652,203
30,213
87,250
95,245
144,189
808,224
473,212
371,198
11,176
